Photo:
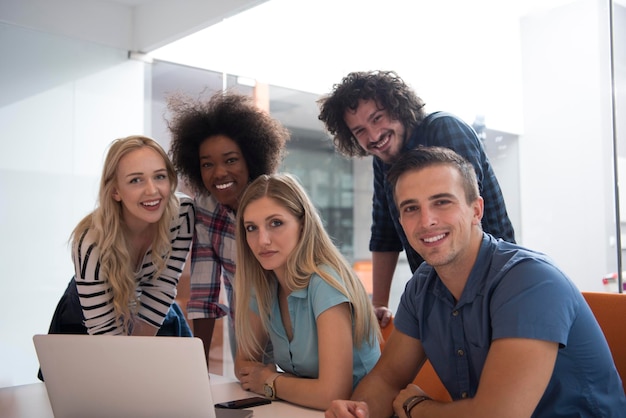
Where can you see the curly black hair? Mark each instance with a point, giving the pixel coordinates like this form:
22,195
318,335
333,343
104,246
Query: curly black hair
385,87
260,137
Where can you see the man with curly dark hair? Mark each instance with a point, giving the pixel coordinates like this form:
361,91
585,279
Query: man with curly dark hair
218,147
376,113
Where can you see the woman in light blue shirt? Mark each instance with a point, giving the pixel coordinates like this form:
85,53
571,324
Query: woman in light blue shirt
294,288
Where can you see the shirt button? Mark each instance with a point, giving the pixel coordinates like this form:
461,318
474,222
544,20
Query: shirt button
464,395
460,352
455,313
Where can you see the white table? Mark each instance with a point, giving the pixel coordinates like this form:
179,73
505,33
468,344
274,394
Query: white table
31,401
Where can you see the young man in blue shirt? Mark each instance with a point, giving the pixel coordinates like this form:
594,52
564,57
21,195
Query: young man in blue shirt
506,331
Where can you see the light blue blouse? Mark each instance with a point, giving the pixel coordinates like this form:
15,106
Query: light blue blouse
300,356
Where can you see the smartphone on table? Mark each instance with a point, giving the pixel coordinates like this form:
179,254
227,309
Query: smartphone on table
244,403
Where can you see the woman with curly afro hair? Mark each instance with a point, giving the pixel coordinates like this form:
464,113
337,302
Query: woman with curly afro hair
218,147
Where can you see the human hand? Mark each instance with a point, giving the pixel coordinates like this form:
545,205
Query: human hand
383,314
347,409
406,393
254,376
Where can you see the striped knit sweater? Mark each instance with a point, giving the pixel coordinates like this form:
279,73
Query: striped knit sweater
155,293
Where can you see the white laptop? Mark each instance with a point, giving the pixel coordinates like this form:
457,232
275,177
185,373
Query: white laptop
122,376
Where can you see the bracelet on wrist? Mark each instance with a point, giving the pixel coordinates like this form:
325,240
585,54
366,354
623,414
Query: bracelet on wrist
412,402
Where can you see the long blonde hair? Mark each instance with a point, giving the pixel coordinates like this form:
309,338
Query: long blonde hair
109,231
314,251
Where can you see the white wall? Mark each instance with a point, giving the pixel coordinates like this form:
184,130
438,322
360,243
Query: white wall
565,152
63,102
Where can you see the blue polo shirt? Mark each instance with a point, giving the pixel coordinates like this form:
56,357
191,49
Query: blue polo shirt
513,292
300,356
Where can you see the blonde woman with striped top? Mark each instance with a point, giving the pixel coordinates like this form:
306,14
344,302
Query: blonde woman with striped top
130,251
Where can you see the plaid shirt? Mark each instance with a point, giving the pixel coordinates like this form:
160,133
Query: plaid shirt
213,255
444,130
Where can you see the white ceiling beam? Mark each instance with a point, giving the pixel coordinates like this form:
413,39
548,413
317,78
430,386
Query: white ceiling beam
148,25
159,22
102,22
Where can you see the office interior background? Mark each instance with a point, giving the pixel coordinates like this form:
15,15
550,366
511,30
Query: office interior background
547,79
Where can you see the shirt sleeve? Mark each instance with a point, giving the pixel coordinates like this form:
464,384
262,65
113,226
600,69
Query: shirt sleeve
384,236
412,302
94,292
534,301
324,296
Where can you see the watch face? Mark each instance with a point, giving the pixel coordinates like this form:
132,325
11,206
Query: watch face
269,391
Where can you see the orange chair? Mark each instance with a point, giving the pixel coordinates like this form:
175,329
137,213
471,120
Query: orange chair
363,270
427,378
610,312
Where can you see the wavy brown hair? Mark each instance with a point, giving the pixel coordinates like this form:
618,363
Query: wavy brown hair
109,229
385,87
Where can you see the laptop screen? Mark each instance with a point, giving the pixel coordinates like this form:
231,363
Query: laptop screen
125,376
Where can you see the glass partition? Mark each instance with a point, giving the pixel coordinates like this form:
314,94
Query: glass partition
618,55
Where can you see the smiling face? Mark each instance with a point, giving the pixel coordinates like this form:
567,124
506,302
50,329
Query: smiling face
439,223
377,133
224,170
142,186
272,233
